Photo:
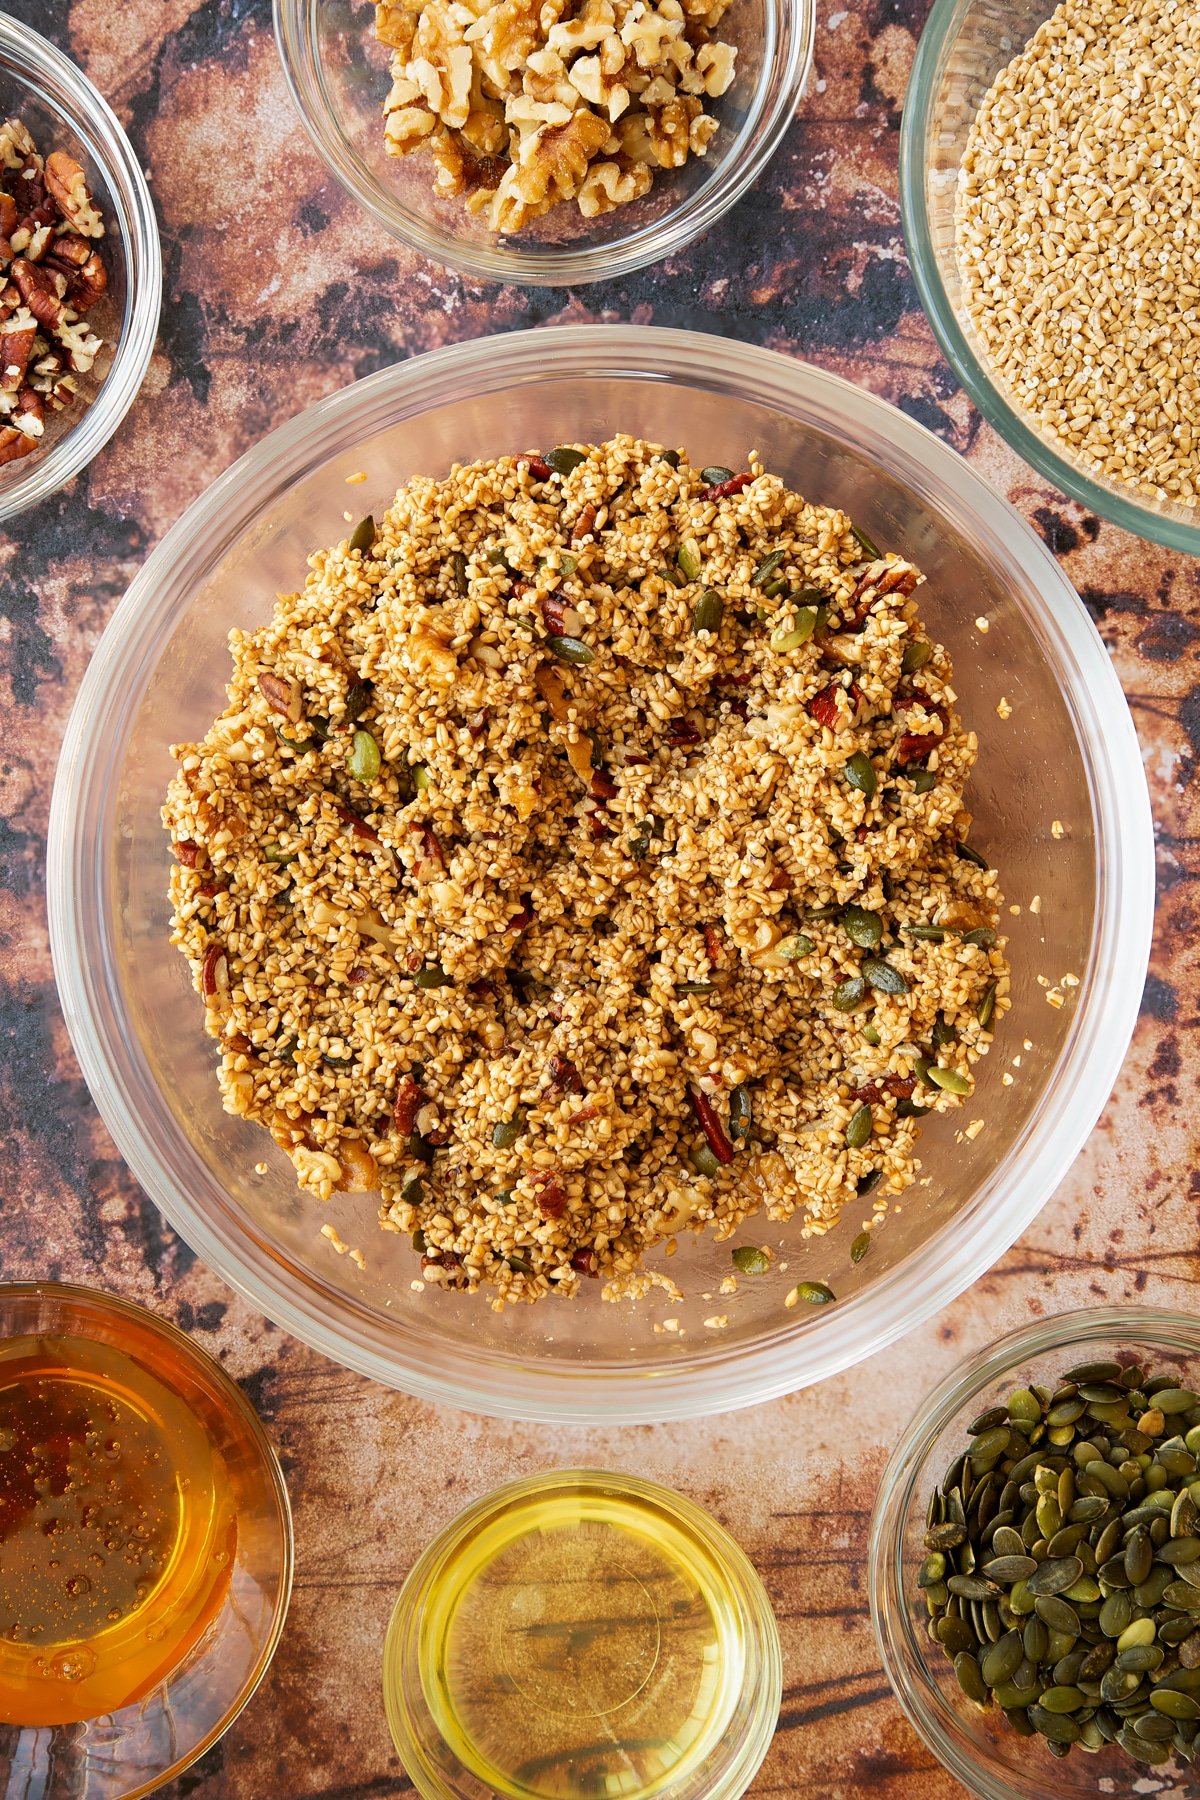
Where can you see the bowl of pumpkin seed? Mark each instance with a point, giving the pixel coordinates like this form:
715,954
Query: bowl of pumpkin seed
1034,1566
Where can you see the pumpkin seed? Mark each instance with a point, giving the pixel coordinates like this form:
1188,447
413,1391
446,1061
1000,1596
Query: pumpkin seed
688,558
860,1246
848,993
917,653
860,773
814,1293
864,929
564,459
740,1112
987,1006
571,650
973,1587
923,780
804,622
767,567
748,1259
865,543
1174,1705
882,976
924,934
431,976
1009,1568
1056,1727
1175,1400
364,761
363,535
507,1131
1055,1575
708,611
970,1680
1001,1660
794,947
951,1081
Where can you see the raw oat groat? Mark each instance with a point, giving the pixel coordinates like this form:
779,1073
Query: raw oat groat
525,106
581,858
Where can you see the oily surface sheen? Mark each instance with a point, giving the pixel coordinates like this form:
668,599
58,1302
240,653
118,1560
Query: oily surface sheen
278,291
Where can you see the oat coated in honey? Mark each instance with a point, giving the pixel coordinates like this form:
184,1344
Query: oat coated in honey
581,858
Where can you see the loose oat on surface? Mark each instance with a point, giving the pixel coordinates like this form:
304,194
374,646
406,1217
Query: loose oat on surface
525,104
580,858
1078,236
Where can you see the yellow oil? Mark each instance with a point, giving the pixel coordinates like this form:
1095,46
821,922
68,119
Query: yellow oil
581,1644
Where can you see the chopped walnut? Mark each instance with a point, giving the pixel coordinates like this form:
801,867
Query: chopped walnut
524,109
50,276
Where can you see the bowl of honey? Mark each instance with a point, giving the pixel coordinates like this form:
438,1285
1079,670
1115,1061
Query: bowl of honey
145,1547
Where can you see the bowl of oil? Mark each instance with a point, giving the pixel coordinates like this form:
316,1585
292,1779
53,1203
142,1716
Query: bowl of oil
145,1547
580,1635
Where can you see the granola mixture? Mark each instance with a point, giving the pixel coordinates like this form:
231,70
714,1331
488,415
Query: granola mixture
51,274
524,106
582,858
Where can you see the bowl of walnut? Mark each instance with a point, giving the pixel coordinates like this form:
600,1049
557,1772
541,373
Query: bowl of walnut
546,142
80,270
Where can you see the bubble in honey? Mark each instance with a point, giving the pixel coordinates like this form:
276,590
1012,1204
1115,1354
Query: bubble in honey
78,1585
75,1664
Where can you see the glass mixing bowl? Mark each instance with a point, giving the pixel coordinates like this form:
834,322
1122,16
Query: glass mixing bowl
338,76
979,1747
1067,754
963,47
63,111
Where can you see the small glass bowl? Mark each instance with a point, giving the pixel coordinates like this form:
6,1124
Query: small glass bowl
963,47
538,1548
128,1753
338,75
978,1746
63,111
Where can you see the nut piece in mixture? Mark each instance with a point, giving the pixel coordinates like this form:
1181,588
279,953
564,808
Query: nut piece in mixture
582,857
526,106
51,274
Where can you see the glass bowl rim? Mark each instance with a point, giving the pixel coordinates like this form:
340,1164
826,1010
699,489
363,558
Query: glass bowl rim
708,1379
1135,1326
917,121
42,66
735,1564
773,109
100,1300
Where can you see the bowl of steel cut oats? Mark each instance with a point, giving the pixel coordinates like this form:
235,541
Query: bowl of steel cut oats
600,873
552,143
1048,175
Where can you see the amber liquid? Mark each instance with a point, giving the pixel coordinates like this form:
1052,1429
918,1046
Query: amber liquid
117,1528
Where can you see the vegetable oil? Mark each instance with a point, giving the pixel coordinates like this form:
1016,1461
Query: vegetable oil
584,1637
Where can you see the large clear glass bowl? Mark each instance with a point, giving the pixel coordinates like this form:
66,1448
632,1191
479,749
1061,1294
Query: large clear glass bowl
338,76
963,47
63,111
1068,754
978,1746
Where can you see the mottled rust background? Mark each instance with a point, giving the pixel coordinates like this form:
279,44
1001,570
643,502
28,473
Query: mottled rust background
277,292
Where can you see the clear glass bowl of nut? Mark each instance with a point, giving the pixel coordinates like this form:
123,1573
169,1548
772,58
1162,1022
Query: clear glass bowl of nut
1062,284
80,270
435,1301
1034,1565
531,146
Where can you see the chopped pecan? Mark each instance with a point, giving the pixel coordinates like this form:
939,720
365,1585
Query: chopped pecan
553,607
38,288
724,490
14,444
682,732
780,882
878,579
710,1125
281,695
551,1196
539,469
584,1263
901,1086
713,942
583,524
358,826
478,724
564,1076
67,185
30,413
823,707
69,252
524,918
602,786
187,853
590,1111
432,862
89,284
914,746
408,1102
597,826
214,972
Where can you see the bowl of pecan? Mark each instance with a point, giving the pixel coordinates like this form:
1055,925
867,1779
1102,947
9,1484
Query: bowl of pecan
595,676
80,270
546,144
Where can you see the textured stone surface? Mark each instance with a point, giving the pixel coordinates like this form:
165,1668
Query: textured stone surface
259,320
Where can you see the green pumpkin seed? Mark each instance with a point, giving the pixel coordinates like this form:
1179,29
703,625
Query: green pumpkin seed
1009,1568
917,653
1137,1635
1153,1728
951,1081
794,947
973,1587
864,929
1058,1614
860,1246
1001,1660
848,993
363,535
1139,1556
982,938
813,1293
432,976
1175,1400
704,1160
1180,1551
987,1006
748,1259
969,854
364,761
804,621
767,567
1095,1371
571,650
688,558
923,780
564,460
1174,1705
882,976
1055,1575
1057,1728
1063,1699
708,611
865,543
860,773
858,1131
741,1112
970,1680
506,1133
1116,1614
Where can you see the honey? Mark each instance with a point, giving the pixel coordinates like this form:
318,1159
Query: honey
117,1526
578,1638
